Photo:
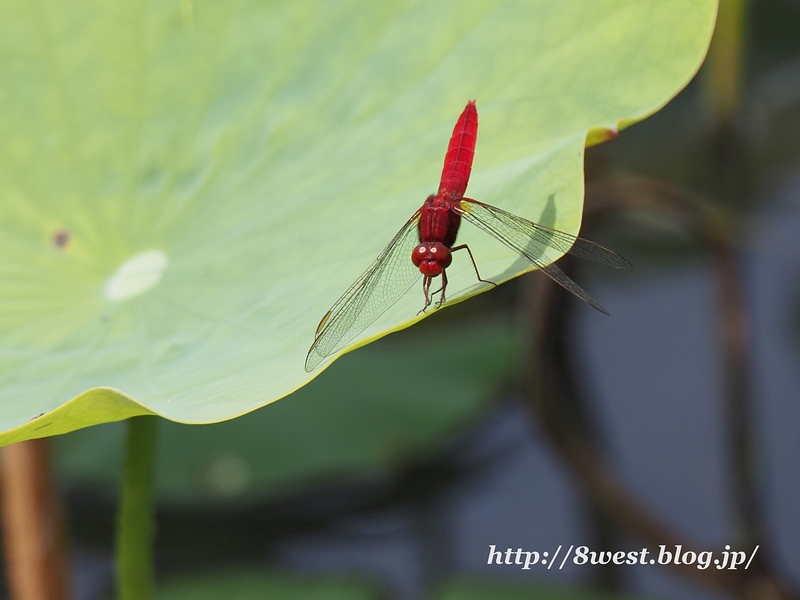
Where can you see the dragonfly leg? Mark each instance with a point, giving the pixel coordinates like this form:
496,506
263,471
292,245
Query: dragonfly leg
426,288
474,264
442,290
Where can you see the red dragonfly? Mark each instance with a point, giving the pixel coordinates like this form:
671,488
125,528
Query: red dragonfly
427,240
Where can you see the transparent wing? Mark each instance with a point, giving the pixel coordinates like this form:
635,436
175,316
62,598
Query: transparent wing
532,240
384,283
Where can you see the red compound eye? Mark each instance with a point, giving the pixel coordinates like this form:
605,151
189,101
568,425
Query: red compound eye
441,254
419,254
431,259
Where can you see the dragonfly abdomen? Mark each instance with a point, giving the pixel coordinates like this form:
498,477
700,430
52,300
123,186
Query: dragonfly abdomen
460,152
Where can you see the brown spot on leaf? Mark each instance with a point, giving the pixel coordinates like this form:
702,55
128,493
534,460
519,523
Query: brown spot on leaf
60,238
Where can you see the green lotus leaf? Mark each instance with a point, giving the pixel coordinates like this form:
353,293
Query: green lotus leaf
374,412
186,187
473,588
258,584
244,585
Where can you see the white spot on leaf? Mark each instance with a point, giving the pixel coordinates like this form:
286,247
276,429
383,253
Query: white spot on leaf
136,275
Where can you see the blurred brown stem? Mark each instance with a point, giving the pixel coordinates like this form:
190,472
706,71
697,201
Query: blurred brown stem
552,389
549,398
33,534
713,231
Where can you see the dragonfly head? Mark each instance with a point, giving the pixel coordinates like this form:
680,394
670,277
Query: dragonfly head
431,258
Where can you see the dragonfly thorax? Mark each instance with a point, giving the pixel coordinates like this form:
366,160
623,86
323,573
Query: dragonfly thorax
431,258
439,221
